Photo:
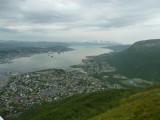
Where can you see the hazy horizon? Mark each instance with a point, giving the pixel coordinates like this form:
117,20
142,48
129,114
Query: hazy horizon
79,20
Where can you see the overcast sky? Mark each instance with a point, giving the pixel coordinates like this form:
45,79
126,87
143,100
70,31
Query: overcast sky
123,21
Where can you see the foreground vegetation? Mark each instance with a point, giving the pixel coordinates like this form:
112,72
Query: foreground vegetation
141,106
78,107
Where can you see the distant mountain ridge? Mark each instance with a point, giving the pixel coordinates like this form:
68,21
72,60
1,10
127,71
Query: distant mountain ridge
94,43
13,43
20,44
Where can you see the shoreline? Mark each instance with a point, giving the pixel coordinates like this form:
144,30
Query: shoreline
69,67
5,81
11,56
8,59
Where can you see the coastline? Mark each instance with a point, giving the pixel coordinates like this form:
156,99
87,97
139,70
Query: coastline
7,58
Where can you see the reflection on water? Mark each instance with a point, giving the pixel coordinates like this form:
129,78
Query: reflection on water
53,60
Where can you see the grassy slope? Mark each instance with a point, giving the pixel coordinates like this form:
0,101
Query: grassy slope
141,106
142,62
78,107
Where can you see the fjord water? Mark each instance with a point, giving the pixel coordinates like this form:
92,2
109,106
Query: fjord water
53,60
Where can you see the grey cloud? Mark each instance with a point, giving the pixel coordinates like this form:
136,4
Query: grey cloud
102,14
12,12
5,30
47,17
128,12
8,7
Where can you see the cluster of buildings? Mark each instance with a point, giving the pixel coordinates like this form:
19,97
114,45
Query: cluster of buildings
27,90
96,64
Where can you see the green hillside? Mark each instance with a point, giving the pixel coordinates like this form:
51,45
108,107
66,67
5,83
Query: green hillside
118,48
141,106
78,107
141,60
